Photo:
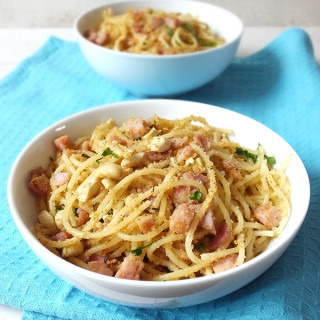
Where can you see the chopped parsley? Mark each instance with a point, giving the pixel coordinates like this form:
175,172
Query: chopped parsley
61,207
107,152
138,251
201,247
75,211
196,196
189,27
170,31
270,160
247,154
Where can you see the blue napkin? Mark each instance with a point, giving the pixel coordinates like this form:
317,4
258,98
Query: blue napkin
279,86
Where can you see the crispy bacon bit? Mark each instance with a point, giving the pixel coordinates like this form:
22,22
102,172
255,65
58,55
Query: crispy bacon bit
207,221
178,142
118,140
225,263
86,145
100,266
182,194
268,215
196,177
222,236
99,37
39,183
156,23
130,268
155,156
61,236
136,128
83,217
146,223
63,142
232,168
182,216
184,154
172,22
94,257
61,178
202,141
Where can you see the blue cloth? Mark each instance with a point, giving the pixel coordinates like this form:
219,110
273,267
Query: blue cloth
278,86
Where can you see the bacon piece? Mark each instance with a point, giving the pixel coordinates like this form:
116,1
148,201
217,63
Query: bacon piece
61,178
268,215
63,142
130,268
172,22
156,23
83,217
182,194
207,221
196,177
155,156
146,223
100,266
184,154
86,145
118,140
136,128
222,236
178,142
38,182
99,37
232,168
94,257
61,236
202,141
225,263
182,216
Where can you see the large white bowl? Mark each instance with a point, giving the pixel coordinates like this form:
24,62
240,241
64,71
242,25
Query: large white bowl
151,294
155,76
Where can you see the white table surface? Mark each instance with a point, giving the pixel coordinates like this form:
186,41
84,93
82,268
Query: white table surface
17,44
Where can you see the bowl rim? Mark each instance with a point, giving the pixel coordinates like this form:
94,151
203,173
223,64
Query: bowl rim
81,37
40,250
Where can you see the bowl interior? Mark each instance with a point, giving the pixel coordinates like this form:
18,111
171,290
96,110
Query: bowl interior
221,21
37,152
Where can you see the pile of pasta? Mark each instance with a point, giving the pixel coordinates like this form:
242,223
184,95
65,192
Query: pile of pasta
159,199
151,31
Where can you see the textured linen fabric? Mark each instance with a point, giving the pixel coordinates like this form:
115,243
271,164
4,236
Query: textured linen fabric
278,86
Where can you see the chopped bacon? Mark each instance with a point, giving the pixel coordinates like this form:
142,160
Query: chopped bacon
184,154
225,263
146,223
39,183
63,142
83,217
61,236
99,37
136,128
61,178
196,177
178,142
222,236
155,156
94,257
232,168
130,268
86,145
268,215
156,23
202,141
182,216
173,22
182,194
118,140
100,266
207,221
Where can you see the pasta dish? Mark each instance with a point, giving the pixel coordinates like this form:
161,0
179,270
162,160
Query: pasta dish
159,199
151,31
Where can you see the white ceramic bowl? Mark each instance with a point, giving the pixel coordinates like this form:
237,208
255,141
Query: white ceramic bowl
155,76
152,294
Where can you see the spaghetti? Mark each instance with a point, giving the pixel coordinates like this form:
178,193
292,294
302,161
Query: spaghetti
151,31
159,199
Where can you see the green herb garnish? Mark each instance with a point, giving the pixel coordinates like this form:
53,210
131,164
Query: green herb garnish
201,247
170,31
247,154
138,251
107,152
190,28
270,160
196,196
75,211
60,207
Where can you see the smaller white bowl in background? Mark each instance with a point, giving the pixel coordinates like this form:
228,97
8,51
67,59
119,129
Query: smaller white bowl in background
162,75
156,294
